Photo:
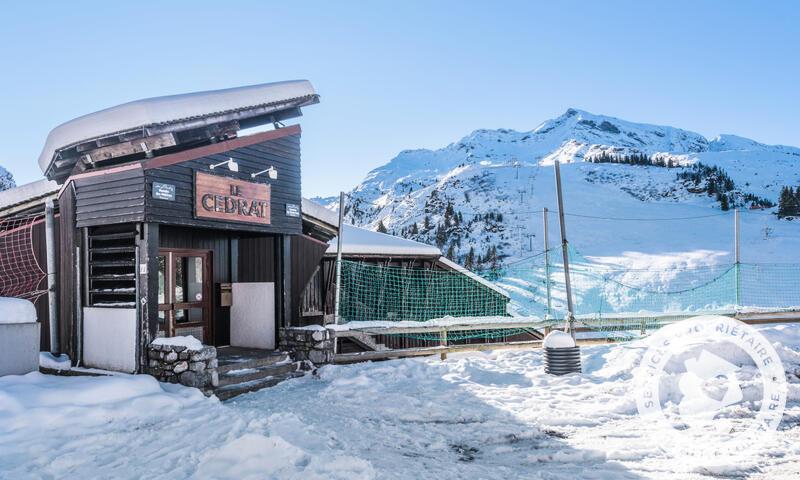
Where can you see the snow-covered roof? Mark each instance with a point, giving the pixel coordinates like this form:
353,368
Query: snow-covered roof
458,268
315,210
26,193
360,241
174,108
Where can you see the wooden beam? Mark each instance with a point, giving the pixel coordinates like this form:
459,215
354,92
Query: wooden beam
449,328
366,341
221,147
443,349
131,147
426,351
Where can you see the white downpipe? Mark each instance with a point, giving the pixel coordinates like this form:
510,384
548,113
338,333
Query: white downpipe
50,243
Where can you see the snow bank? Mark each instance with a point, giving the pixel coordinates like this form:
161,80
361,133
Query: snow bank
311,328
188,341
16,310
75,427
60,363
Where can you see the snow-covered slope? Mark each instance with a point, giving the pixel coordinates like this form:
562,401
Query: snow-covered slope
485,193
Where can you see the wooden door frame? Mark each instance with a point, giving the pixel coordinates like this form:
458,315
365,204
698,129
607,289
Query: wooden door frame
169,291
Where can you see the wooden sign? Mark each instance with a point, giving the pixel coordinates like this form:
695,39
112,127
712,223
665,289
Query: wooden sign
223,198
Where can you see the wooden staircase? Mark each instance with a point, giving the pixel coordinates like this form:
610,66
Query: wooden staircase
244,370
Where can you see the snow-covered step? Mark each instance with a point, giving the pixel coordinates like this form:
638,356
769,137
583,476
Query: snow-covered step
367,341
234,358
245,375
231,390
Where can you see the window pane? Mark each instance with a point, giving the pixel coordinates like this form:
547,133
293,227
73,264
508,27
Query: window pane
188,279
189,315
180,280
194,279
162,276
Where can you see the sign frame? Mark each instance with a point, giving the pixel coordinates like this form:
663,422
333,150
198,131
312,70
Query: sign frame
228,199
163,191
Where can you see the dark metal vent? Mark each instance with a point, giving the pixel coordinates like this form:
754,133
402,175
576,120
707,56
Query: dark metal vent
111,266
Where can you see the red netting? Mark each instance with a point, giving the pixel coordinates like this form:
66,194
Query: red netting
20,273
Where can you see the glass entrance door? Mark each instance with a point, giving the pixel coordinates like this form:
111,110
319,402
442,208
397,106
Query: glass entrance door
184,293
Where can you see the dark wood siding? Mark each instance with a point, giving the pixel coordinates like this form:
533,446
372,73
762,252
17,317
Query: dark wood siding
257,259
69,238
282,153
116,196
306,259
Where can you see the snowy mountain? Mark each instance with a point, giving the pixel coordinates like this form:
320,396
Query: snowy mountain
480,199
6,179
465,186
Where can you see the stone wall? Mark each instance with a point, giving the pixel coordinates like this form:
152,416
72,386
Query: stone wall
313,344
177,364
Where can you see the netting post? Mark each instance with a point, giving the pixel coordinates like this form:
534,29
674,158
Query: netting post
736,245
443,343
565,252
547,263
50,244
339,260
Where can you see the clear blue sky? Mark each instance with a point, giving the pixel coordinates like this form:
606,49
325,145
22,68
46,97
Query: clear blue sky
399,75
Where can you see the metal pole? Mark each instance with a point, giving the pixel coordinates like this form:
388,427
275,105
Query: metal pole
736,233
736,243
78,309
565,253
339,258
50,244
547,263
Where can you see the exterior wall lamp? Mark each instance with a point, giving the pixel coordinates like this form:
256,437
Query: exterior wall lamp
271,171
231,163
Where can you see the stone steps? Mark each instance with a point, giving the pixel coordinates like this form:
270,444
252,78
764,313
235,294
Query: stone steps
257,362
231,390
249,374
244,370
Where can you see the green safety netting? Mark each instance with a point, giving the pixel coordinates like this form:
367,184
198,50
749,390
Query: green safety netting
373,292
616,302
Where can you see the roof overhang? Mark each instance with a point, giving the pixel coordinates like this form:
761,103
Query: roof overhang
360,242
26,197
145,126
318,221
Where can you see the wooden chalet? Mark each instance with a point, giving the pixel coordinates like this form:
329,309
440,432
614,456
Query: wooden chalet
171,222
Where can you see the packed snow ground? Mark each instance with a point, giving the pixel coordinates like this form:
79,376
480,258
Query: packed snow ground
477,415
